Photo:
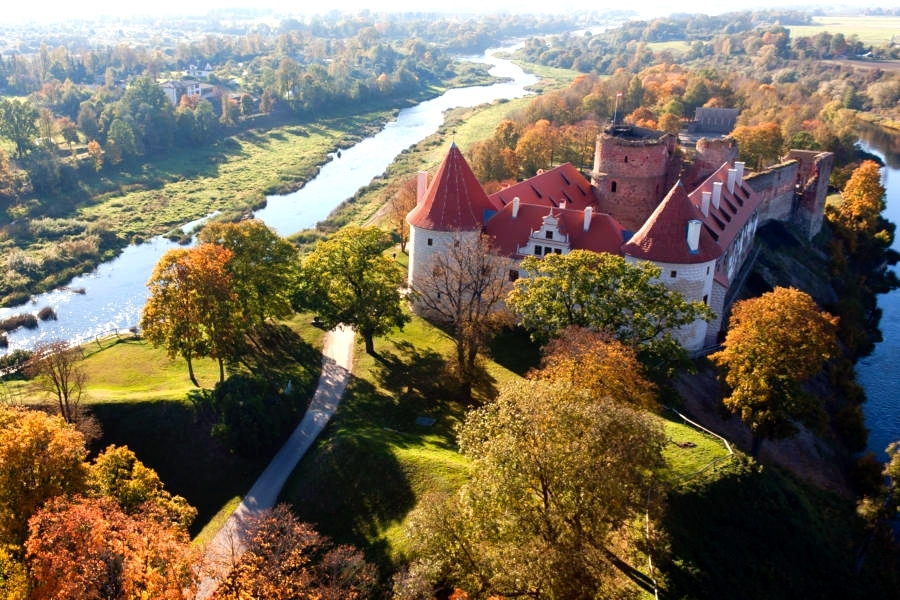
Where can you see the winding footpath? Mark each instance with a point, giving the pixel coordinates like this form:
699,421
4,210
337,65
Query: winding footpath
230,542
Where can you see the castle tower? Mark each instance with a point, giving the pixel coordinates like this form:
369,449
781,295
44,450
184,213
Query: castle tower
812,189
452,207
675,239
634,167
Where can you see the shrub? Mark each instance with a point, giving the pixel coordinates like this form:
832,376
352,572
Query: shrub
47,314
16,321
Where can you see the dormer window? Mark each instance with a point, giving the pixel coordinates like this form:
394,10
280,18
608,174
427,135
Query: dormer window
548,235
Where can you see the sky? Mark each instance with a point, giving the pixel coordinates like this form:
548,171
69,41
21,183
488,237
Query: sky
16,10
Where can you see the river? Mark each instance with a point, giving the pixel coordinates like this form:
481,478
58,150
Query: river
115,293
879,373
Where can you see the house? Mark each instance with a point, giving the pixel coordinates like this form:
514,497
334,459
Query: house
174,90
697,224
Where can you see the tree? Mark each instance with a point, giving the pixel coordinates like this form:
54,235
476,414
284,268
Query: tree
597,363
859,213
603,292
88,548
13,577
118,474
467,286
96,154
348,280
556,479
535,148
18,123
401,202
192,309
41,456
759,145
774,344
262,268
288,560
58,372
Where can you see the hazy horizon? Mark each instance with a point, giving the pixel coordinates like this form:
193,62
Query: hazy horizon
57,11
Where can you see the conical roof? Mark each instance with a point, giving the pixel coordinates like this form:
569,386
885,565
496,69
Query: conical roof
454,201
663,237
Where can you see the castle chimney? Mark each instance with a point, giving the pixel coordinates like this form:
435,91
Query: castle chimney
704,203
717,194
515,207
740,170
588,213
732,175
421,185
693,235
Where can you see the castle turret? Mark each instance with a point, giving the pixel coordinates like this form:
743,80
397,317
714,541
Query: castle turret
453,206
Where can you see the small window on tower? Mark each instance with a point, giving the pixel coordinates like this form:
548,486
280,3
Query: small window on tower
548,235
513,274
706,300
430,242
673,274
612,187
626,159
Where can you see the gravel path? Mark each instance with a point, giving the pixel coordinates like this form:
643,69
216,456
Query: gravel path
228,545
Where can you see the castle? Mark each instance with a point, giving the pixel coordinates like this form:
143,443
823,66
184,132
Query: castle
695,222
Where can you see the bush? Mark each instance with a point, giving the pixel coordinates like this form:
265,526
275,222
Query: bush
47,314
16,321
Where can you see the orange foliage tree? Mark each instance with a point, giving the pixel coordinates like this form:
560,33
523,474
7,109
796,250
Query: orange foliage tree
287,560
192,309
774,344
759,145
598,363
88,548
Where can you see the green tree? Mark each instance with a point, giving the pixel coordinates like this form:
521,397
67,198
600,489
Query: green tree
18,123
556,481
150,114
604,292
263,268
775,343
192,309
41,456
348,280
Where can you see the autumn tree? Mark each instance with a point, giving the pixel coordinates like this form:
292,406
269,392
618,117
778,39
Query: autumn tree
759,145
88,548
56,367
492,162
774,345
192,310
13,576
41,456
262,268
604,292
465,291
556,479
96,154
535,148
400,203
597,363
859,214
287,560
118,474
348,280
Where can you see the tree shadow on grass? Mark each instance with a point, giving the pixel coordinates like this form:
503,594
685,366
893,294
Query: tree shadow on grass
514,349
278,353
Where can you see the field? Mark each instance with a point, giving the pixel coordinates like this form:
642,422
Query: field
874,31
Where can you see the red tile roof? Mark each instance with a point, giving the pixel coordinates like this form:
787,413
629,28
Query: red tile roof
454,201
560,186
604,234
735,208
663,237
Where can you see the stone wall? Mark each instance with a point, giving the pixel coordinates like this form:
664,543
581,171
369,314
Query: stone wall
776,185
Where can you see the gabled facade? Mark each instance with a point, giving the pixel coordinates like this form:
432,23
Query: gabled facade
699,235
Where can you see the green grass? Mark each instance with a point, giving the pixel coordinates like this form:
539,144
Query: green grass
690,453
875,31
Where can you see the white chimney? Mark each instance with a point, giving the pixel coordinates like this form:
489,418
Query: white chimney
740,170
704,203
732,175
693,235
717,194
588,213
515,207
421,185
